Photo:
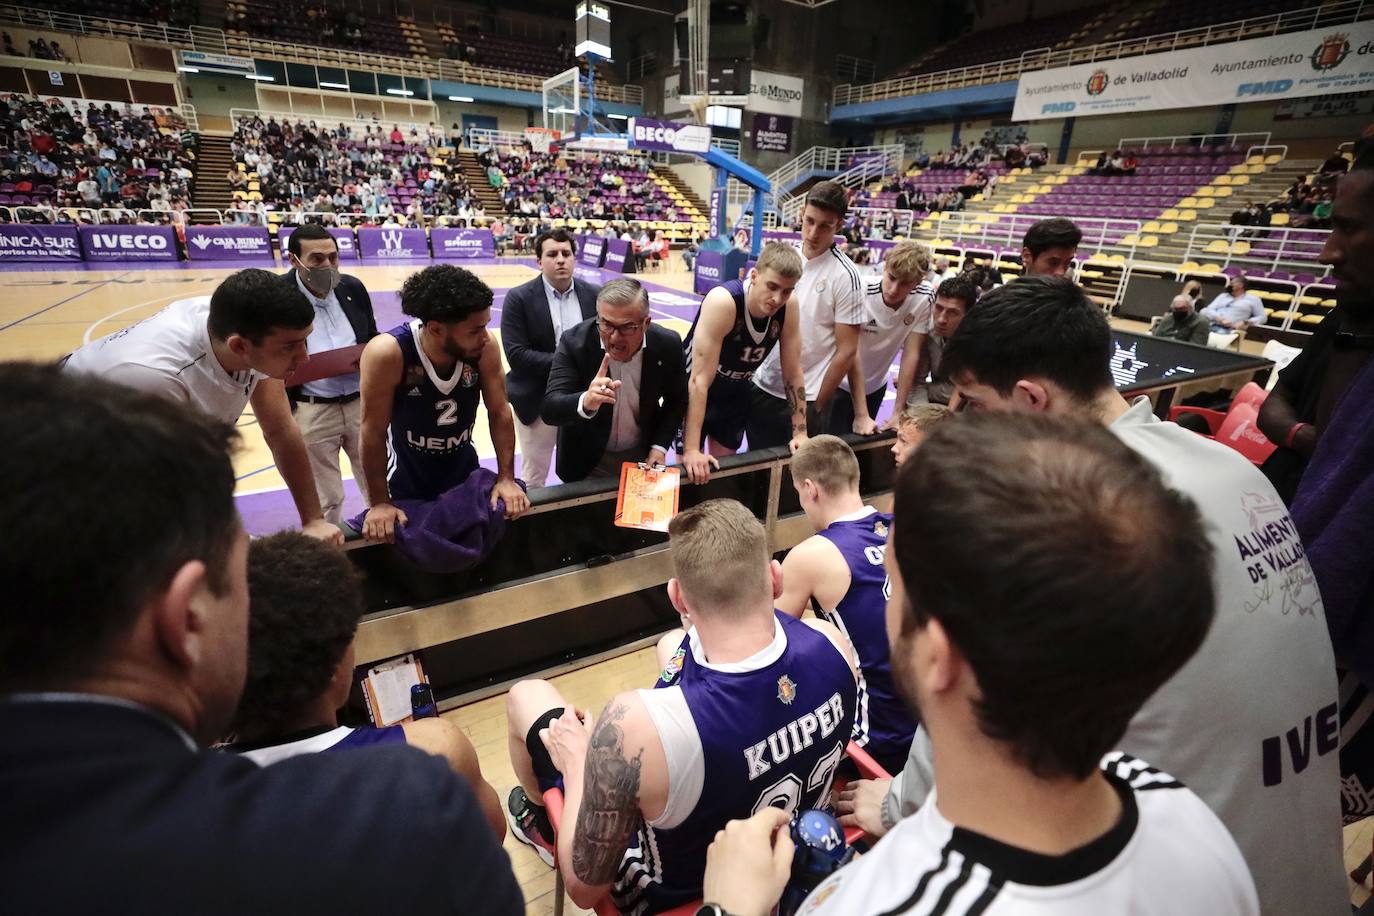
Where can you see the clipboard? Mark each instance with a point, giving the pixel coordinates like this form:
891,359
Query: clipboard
386,688
327,364
647,497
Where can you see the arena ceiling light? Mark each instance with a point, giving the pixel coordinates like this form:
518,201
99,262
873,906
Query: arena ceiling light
460,98
260,78
188,69
328,84
399,92
617,117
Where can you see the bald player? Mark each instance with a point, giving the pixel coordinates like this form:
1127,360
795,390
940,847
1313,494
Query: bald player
753,709
221,353
838,572
736,328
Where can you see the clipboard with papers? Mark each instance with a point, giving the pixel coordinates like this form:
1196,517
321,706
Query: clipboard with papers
648,496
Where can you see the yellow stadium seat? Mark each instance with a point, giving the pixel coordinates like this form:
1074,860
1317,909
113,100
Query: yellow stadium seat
1311,319
1255,170
1206,203
1327,303
1221,192
1285,314
1279,219
1170,213
1310,300
1273,159
1240,179
1150,241
1205,192
1240,248
1131,239
1168,228
1254,159
1151,226
1209,268
1223,180
1190,202
1216,246
1187,216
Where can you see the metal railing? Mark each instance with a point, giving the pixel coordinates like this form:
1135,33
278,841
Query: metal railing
870,167
1258,247
893,221
854,69
1259,138
1006,231
93,216
817,159
1329,14
327,121
216,41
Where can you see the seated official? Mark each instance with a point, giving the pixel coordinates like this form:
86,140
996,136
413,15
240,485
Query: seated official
1027,664
533,316
220,353
1183,322
617,388
304,605
935,324
1234,310
892,304
421,383
122,655
719,735
735,329
913,425
839,574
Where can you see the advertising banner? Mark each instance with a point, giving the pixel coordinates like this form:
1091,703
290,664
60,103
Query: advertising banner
1296,65
777,235
227,243
717,201
772,133
1326,106
462,243
24,242
669,136
708,271
348,248
382,242
619,258
216,63
129,243
593,250
774,93
879,247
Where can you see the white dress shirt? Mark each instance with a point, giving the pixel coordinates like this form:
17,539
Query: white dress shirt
564,308
625,418
331,331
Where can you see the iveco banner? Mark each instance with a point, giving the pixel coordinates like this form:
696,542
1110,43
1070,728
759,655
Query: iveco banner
129,243
1322,61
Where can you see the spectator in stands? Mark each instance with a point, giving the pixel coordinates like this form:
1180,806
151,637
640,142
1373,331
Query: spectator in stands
1049,247
1004,683
1183,321
1039,344
661,771
832,314
305,600
1235,309
418,447
1129,163
1100,167
617,387
533,318
328,410
933,327
115,680
690,250
913,424
9,48
1335,165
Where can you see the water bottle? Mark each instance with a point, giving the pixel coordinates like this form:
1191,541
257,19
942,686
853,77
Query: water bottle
422,705
820,850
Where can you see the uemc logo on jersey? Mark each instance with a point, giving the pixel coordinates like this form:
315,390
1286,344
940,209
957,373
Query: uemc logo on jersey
796,736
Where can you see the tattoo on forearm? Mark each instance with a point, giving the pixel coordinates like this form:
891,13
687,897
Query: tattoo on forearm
610,802
795,397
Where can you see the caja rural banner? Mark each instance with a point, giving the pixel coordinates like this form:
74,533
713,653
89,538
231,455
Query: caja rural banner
1296,65
227,243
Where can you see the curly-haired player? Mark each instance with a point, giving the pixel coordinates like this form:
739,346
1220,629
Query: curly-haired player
422,381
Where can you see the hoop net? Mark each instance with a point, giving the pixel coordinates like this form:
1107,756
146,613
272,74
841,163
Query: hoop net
541,139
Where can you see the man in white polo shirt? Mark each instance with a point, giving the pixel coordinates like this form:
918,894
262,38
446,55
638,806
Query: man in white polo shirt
220,353
832,312
893,304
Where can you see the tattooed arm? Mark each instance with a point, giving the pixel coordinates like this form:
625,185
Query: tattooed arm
793,378
606,794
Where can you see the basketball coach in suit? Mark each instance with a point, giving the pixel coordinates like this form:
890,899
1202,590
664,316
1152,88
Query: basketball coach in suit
533,318
114,682
618,387
328,410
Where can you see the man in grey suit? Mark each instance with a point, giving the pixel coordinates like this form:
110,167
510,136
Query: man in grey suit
533,317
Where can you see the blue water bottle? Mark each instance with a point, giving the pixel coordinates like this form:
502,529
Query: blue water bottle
422,705
821,849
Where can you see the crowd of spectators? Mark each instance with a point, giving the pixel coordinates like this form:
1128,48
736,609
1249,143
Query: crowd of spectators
553,186
39,49
1115,163
335,27
86,155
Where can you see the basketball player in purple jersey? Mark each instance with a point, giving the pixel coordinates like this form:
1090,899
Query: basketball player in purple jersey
753,709
421,383
839,573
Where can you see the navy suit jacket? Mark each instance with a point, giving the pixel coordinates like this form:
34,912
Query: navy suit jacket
527,336
357,307
662,397
108,809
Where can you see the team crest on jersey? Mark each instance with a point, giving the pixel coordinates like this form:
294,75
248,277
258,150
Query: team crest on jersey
674,666
787,690
822,895
880,528
908,319
469,376
414,375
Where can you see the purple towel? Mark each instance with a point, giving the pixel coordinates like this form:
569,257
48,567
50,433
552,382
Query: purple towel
1334,512
454,532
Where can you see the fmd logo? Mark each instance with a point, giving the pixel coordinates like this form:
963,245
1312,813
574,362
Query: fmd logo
1058,107
1097,83
1330,53
1270,87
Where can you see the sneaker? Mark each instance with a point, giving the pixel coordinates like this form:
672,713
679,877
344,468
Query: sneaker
525,819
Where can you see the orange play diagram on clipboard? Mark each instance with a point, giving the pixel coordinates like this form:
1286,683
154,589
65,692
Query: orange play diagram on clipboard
648,496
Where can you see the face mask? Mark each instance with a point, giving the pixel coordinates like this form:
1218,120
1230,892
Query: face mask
1181,314
319,278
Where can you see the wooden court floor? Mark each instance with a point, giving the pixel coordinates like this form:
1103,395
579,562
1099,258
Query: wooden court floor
46,314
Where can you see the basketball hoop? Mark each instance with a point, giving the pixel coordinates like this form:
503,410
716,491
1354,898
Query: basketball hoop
697,104
541,139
